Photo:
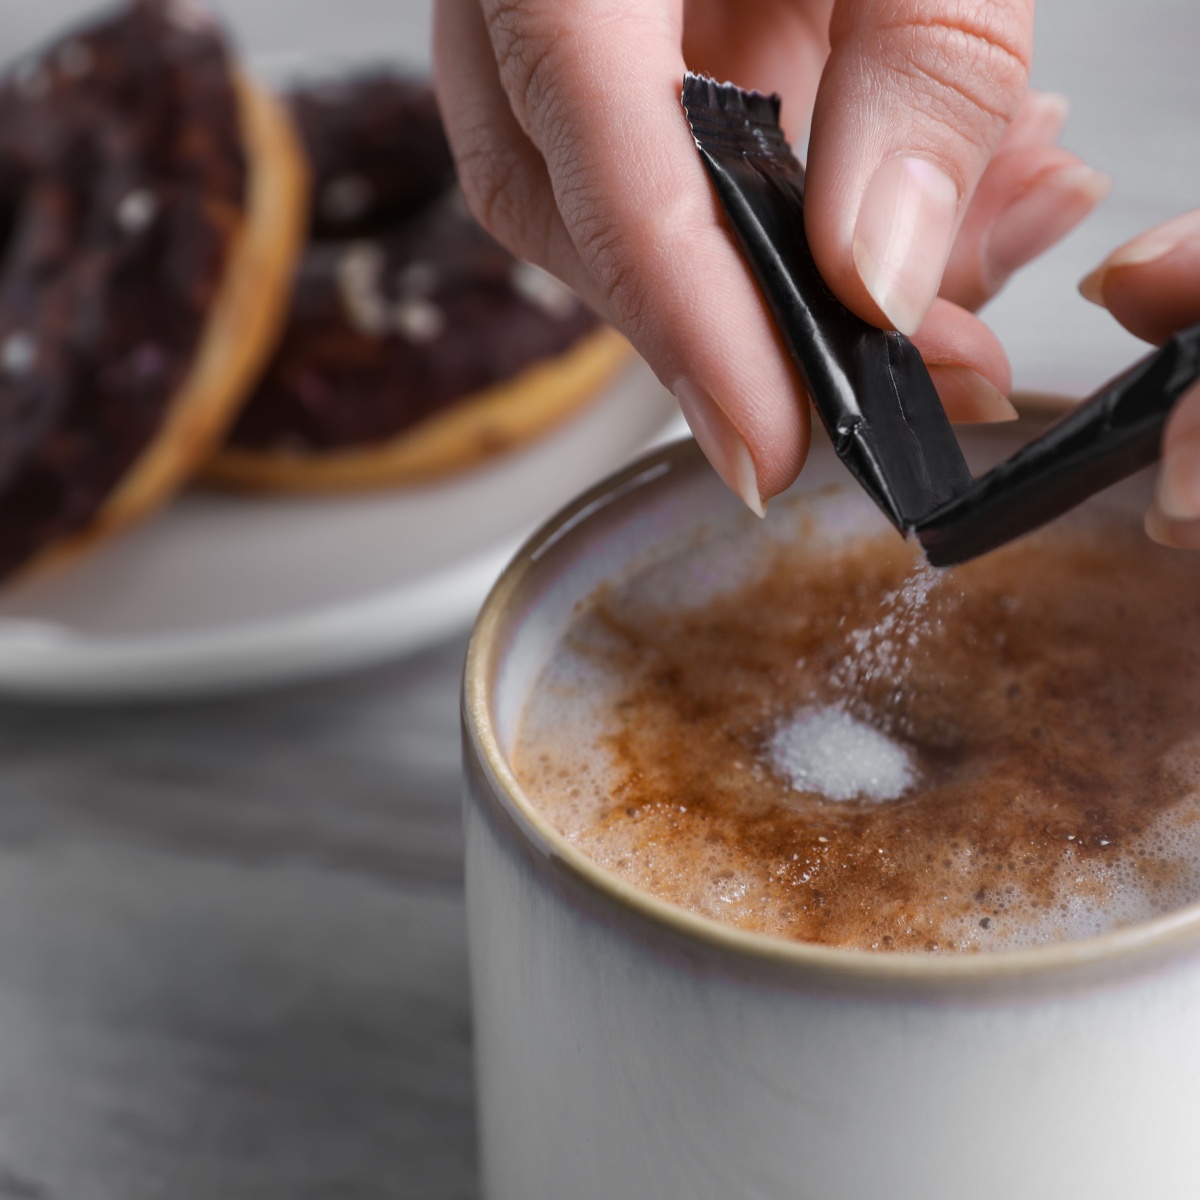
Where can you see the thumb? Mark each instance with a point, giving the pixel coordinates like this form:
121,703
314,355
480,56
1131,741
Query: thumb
913,100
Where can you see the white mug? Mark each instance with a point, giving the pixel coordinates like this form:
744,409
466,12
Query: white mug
629,1050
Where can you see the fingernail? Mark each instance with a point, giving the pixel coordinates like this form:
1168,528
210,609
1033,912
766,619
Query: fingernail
1178,495
969,398
1091,286
903,236
1052,109
1039,120
1158,528
721,443
1048,210
1146,248
1178,535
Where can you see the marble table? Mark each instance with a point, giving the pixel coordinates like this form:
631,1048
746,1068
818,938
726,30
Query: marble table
232,943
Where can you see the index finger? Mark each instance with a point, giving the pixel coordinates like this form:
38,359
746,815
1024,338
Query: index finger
644,220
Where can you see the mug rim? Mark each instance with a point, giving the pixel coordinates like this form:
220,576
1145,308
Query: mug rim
1160,935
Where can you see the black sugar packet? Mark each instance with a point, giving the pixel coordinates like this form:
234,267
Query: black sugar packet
871,387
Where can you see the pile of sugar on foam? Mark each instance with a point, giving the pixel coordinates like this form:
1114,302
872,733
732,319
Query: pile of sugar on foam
828,751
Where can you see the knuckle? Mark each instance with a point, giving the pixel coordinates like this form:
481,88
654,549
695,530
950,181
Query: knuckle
531,56
631,255
972,53
619,278
506,197
491,186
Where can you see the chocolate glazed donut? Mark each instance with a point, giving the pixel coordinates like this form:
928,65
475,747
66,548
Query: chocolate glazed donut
376,149
151,204
416,344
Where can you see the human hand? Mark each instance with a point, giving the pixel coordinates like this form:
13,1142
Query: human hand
933,174
1152,286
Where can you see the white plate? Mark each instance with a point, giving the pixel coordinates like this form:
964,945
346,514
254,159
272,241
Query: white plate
223,592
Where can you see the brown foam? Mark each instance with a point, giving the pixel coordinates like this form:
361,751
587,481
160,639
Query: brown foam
1049,694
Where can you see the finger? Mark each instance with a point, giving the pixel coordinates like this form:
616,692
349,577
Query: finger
1031,195
1028,200
1152,284
502,176
644,220
1040,120
1179,535
914,99
967,364
1177,500
772,46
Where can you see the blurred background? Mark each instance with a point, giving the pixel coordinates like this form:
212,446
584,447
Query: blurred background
232,958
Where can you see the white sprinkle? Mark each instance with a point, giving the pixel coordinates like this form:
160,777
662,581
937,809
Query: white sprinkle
76,59
418,320
345,198
360,280
137,210
541,289
18,354
827,751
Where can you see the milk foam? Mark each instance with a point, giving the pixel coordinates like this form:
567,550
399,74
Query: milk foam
814,745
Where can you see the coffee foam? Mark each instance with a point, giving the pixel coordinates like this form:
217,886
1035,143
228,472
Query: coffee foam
1037,706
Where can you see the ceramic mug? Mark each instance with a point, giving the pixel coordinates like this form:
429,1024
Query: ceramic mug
629,1050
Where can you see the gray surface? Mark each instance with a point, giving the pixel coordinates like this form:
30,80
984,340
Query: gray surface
232,946
232,956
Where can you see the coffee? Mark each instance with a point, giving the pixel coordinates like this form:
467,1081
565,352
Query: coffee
795,727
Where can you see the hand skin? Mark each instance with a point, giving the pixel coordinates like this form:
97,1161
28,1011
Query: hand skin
933,174
1152,286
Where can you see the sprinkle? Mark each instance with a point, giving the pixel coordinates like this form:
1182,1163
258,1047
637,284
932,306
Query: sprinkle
542,290
360,282
137,210
18,354
418,320
360,278
345,198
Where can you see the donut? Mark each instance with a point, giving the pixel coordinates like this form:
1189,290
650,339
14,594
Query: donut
152,205
418,346
376,147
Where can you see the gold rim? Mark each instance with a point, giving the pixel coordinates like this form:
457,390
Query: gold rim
1175,931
